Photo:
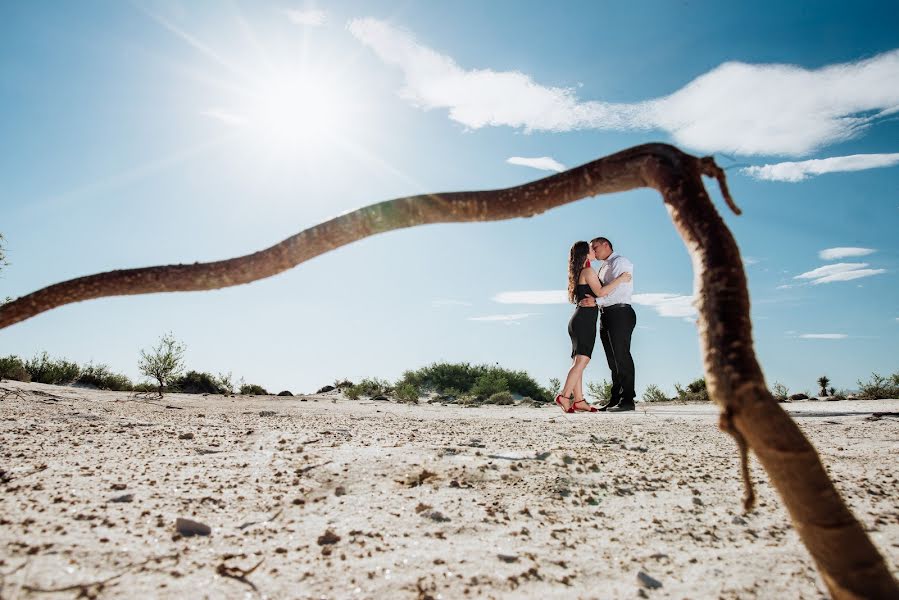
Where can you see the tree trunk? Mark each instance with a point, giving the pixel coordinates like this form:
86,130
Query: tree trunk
848,561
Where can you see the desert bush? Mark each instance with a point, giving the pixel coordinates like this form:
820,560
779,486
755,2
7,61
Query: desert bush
198,382
100,377
600,391
341,384
457,379
694,392
144,387
489,383
555,387
879,387
406,392
163,363
502,398
42,369
780,392
285,393
12,367
654,393
354,392
251,389
225,383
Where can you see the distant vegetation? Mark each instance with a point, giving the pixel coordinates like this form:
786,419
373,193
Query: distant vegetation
460,383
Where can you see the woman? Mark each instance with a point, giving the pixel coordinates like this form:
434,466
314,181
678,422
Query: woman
582,282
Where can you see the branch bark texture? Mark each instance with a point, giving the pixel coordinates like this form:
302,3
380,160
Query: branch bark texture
848,561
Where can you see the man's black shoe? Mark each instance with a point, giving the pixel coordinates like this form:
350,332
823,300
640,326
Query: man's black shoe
606,407
621,408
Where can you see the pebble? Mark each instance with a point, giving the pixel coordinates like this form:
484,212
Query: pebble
186,436
123,498
188,527
648,581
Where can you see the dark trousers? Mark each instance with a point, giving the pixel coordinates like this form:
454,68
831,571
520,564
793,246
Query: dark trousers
616,329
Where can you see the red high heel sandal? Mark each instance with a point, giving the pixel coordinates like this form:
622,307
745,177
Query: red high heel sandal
588,409
570,408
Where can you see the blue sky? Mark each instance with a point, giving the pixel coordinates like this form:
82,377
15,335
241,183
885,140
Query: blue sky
144,133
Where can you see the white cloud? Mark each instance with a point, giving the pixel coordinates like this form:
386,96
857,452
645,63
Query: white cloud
544,163
750,260
668,305
839,272
225,116
503,318
823,336
311,17
849,275
837,253
800,171
740,108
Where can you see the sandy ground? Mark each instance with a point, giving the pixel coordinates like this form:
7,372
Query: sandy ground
331,498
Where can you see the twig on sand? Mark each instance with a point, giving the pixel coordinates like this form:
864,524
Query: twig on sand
92,589
7,392
271,518
6,478
238,573
139,399
310,467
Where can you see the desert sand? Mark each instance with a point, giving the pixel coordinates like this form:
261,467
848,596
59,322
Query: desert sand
332,498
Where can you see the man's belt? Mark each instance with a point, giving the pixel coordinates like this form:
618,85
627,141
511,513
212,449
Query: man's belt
613,306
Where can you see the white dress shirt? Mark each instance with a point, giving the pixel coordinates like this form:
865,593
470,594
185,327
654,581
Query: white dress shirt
611,268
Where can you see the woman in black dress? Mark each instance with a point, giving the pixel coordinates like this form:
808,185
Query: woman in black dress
582,282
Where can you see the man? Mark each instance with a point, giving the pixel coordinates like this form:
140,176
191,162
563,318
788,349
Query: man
617,322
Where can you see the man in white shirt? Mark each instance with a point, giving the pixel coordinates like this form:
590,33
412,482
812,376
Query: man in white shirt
617,323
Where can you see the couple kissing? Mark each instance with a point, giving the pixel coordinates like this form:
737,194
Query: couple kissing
603,302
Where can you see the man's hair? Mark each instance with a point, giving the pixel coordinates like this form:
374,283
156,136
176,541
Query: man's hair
602,240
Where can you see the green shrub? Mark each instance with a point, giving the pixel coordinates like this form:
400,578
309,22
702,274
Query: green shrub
374,387
406,392
42,369
163,363
502,398
694,392
654,393
555,387
342,384
251,389
354,392
196,382
491,382
12,367
780,392
879,387
100,377
600,391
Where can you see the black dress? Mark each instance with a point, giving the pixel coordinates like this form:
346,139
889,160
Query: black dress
582,326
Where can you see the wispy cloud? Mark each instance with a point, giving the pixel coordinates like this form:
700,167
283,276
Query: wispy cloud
800,171
837,253
773,109
666,305
823,336
839,272
508,318
444,302
544,163
310,17
750,260
225,116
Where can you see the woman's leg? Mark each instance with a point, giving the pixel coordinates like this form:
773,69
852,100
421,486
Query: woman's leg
579,385
574,374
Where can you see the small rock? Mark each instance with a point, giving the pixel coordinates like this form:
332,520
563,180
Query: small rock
328,538
381,398
507,558
123,498
117,487
648,582
285,393
738,520
697,501
186,436
327,388
188,527
436,515
340,491
267,413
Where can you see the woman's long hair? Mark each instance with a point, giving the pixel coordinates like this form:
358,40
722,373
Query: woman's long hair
577,257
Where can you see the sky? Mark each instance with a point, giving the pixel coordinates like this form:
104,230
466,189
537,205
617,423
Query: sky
144,133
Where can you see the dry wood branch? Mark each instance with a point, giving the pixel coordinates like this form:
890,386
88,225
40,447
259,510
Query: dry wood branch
92,589
849,563
238,573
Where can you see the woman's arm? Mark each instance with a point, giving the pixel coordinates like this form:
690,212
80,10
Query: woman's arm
601,290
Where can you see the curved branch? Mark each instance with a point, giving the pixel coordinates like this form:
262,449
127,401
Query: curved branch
847,559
